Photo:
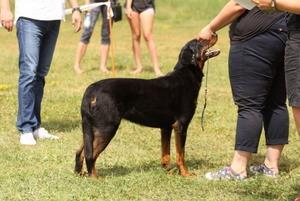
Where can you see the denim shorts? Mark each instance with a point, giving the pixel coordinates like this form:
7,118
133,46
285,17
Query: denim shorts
292,68
105,33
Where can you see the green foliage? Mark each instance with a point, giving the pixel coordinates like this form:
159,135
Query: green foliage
129,168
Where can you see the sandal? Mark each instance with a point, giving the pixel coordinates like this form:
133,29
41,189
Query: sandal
262,169
226,173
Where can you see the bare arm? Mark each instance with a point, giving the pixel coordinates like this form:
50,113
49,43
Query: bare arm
76,16
227,15
6,15
292,6
128,8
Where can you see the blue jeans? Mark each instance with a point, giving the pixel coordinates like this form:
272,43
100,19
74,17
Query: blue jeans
37,40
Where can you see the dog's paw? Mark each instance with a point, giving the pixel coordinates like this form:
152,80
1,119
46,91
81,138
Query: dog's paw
83,174
188,174
167,167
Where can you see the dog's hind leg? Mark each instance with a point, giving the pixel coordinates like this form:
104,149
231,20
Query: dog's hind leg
180,138
79,160
100,141
88,139
165,147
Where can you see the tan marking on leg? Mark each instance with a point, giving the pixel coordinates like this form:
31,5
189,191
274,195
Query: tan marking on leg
165,148
180,154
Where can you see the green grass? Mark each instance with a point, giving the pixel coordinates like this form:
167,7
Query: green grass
129,169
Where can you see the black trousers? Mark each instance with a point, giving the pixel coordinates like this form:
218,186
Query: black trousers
256,69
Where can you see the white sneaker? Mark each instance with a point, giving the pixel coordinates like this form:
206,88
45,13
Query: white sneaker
27,139
44,134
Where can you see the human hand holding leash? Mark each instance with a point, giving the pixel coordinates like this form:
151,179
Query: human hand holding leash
128,12
265,4
76,19
208,35
128,9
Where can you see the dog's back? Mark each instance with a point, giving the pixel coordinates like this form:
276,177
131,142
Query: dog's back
154,103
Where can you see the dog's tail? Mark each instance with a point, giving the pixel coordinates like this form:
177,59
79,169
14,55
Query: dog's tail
86,149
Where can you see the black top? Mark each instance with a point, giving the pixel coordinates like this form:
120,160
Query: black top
253,22
139,5
294,22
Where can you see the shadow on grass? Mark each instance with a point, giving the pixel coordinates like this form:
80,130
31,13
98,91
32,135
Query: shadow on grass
122,170
62,126
116,170
117,68
257,190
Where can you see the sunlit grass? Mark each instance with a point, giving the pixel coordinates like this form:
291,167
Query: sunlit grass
129,169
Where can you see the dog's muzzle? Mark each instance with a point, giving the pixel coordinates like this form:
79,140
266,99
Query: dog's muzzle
211,53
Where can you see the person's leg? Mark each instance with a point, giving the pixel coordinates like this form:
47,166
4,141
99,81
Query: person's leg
292,73
251,79
47,48
29,35
276,117
80,52
85,39
237,169
147,20
104,52
105,40
134,23
240,161
276,123
249,89
296,114
272,157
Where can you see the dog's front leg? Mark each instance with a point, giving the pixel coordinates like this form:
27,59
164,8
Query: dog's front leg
180,138
165,147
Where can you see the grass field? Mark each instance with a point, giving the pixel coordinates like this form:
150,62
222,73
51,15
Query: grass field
129,169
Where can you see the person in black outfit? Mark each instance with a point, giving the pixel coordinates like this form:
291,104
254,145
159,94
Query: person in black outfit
292,62
256,70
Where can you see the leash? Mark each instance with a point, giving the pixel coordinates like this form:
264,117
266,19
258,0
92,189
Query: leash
110,15
205,96
88,7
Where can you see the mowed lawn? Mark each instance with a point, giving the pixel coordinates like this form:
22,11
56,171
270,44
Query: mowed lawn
129,169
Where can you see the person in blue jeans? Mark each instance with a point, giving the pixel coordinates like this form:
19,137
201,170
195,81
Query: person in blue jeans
37,23
256,72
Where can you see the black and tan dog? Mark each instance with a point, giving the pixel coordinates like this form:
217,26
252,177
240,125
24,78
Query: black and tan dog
167,102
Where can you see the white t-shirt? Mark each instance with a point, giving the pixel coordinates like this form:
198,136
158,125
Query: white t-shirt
44,10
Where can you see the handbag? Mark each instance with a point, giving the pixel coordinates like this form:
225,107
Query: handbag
117,11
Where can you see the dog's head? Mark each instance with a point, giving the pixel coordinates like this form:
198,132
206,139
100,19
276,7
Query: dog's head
196,52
